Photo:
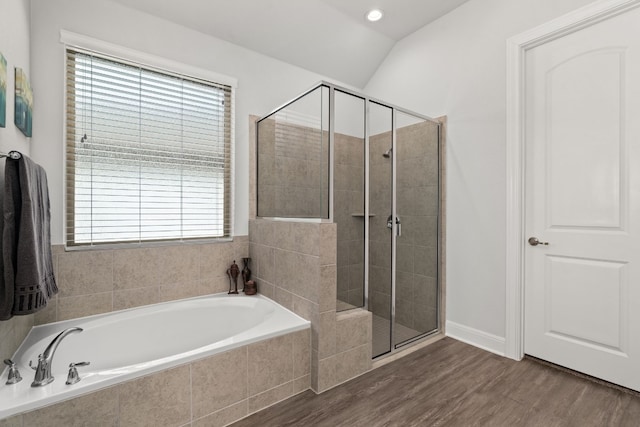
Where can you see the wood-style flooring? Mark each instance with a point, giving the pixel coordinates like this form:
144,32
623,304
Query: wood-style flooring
450,383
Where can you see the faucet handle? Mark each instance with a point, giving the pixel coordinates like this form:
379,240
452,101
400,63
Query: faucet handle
14,375
73,376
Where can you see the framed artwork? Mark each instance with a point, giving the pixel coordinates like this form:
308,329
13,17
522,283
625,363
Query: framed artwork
23,103
3,91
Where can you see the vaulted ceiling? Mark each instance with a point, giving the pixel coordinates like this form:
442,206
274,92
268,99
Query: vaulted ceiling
329,37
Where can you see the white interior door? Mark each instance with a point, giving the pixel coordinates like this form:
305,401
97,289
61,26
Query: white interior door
582,290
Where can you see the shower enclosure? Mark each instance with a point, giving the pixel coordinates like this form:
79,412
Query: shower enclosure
335,155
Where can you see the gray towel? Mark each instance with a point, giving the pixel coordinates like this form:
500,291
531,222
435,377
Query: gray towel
29,282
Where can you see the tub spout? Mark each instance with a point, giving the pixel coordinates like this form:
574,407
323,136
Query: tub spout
45,360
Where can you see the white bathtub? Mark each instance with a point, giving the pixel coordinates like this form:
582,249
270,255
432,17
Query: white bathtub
130,343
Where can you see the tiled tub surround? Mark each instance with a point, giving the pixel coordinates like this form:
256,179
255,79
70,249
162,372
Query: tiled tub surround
213,391
294,263
130,343
100,281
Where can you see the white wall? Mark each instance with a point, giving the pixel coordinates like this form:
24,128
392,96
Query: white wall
14,45
456,66
263,83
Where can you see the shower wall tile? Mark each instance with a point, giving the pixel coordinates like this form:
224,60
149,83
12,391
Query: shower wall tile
426,200
405,312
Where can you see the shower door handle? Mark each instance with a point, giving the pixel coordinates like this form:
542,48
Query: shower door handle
398,225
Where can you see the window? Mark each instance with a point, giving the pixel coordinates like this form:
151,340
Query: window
148,154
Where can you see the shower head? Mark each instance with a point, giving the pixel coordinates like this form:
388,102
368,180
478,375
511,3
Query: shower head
387,154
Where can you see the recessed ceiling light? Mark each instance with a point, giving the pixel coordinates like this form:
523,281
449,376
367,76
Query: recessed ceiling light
374,15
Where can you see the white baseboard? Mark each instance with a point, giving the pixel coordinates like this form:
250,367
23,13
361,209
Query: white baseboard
476,338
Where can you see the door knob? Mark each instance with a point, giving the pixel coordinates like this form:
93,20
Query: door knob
533,241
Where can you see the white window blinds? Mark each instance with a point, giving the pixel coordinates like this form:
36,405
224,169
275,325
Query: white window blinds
148,154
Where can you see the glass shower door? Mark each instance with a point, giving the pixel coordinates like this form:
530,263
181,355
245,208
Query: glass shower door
380,236
417,211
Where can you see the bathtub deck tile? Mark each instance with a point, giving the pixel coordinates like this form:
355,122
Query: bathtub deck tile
301,384
224,416
162,399
94,409
12,422
219,381
269,397
270,364
301,353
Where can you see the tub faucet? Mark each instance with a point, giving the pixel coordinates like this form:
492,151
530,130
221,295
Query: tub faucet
45,360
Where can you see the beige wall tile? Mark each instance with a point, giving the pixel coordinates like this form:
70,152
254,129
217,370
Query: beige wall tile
298,273
303,307
283,297
177,263
129,298
328,239
353,329
161,399
266,289
301,384
328,287
13,332
180,290
219,381
48,314
84,273
16,421
269,397
326,374
95,409
134,268
224,416
302,353
84,305
270,364
352,363
326,335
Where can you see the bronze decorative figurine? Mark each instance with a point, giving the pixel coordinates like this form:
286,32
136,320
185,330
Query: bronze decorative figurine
246,273
233,272
251,288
